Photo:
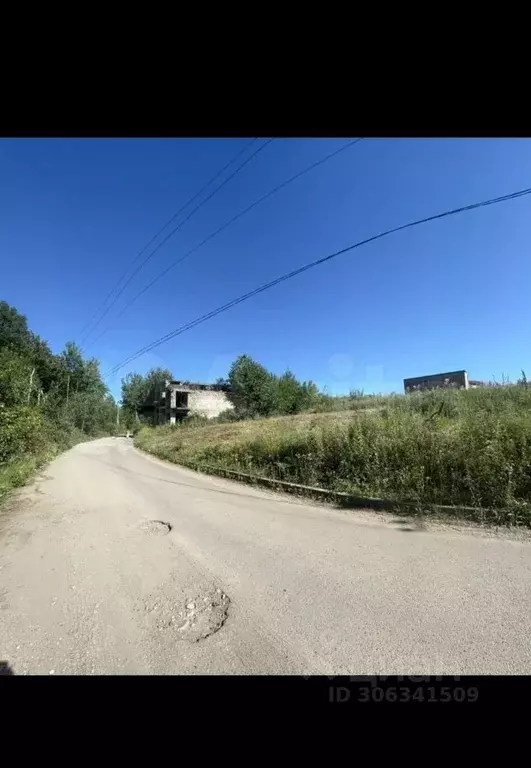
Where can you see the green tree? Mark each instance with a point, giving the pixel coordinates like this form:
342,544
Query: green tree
294,396
155,380
16,338
47,365
47,402
139,390
252,387
254,391
14,331
92,414
77,374
133,397
15,378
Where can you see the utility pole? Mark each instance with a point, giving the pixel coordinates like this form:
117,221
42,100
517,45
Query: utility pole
67,387
30,385
117,415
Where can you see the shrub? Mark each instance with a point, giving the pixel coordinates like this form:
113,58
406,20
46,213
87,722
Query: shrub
21,431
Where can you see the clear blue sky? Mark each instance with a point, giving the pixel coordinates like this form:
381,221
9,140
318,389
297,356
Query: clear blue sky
451,294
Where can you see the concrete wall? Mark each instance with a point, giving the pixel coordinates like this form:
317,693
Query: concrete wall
208,403
179,400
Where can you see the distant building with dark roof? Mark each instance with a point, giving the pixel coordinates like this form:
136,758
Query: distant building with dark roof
454,379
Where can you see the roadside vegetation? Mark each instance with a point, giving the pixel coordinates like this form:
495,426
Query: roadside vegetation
449,447
48,402
138,389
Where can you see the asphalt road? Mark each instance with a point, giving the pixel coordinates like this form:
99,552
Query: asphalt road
116,563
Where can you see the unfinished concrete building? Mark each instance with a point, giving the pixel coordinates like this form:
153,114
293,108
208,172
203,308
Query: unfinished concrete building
179,399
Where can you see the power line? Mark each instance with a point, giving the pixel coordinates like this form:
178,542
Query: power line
228,223
178,227
181,209
300,270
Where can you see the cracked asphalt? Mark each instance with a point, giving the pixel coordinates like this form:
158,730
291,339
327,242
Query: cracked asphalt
113,562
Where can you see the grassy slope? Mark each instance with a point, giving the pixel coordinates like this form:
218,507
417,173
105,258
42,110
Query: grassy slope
453,447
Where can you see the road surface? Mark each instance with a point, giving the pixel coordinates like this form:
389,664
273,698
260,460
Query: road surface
113,562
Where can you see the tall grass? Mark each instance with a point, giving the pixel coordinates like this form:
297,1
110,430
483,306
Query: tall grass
451,447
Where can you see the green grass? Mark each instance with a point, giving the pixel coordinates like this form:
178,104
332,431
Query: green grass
450,447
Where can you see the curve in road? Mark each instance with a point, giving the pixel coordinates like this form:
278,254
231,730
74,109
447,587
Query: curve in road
113,562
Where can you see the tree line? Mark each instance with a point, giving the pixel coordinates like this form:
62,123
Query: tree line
47,401
255,391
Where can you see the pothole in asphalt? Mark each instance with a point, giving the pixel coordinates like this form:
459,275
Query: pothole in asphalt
155,527
199,617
